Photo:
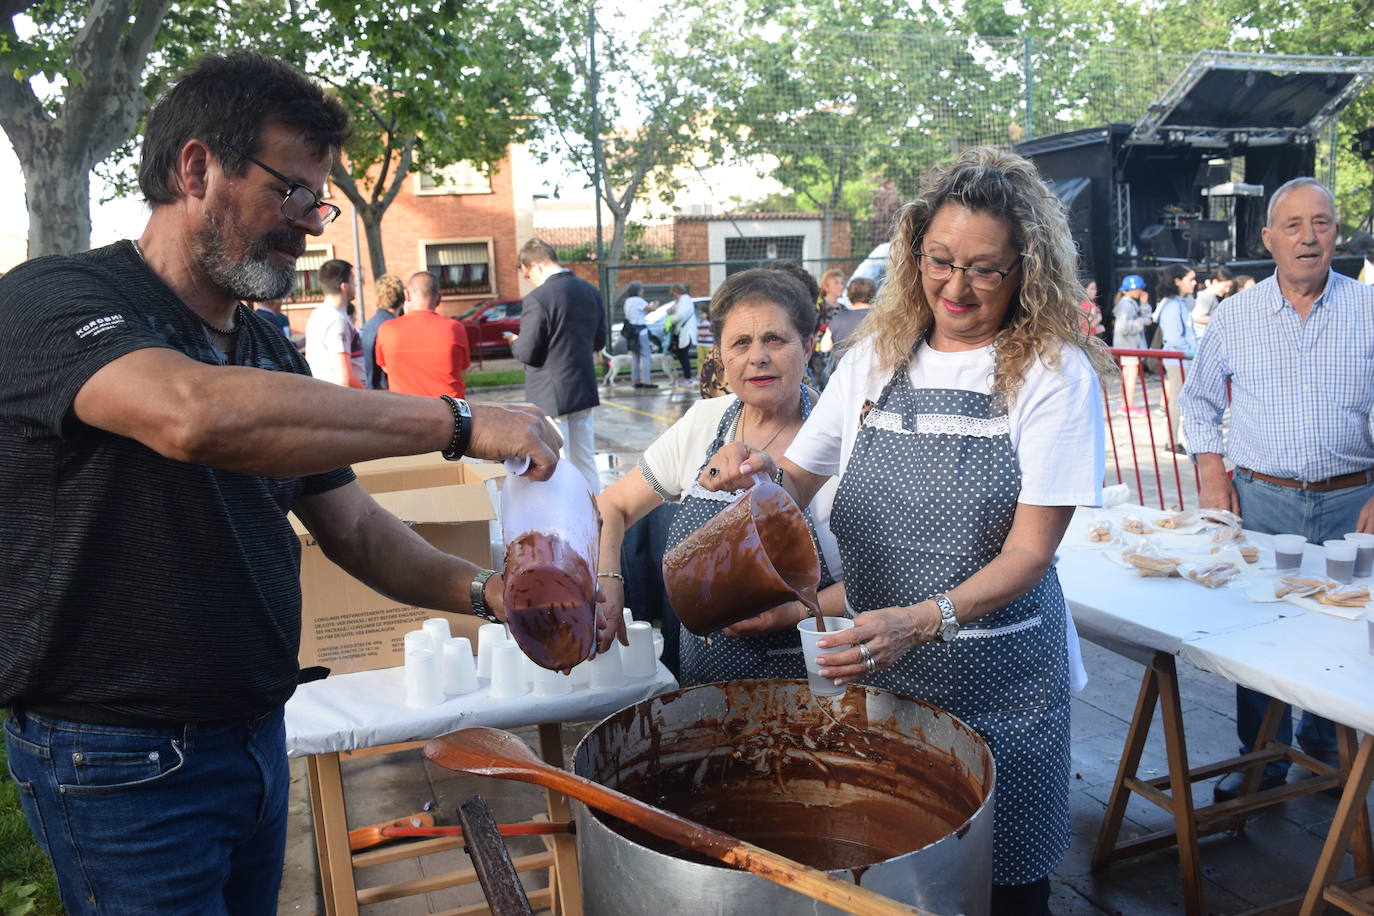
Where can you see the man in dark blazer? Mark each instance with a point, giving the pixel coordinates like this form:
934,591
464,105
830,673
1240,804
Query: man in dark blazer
562,329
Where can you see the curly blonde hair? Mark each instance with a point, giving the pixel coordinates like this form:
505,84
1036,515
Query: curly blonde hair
1043,315
391,292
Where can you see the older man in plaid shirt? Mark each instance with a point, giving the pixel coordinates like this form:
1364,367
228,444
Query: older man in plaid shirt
1298,351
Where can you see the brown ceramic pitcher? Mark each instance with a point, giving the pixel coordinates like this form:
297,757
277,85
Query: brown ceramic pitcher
755,554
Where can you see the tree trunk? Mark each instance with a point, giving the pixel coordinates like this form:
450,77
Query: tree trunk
58,194
97,114
372,231
619,218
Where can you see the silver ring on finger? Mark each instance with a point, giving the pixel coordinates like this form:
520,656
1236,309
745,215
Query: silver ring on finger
871,665
865,654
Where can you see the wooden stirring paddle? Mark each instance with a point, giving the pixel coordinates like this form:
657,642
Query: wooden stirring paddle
493,752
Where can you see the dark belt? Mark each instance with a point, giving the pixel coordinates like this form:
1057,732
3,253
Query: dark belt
1357,479
86,714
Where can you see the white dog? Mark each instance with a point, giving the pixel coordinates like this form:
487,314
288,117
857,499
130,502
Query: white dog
619,361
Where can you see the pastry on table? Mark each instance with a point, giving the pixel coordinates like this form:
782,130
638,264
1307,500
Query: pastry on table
1100,533
1213,575
1177,521
1153,566
1301,585
1248,552
1132,525
1344,596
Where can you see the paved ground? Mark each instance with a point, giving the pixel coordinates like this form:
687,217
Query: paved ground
1268,861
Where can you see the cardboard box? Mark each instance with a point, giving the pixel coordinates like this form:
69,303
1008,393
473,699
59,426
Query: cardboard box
419,472
347,626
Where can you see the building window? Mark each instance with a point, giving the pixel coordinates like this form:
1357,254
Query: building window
460,178
308,275
463,268
759,251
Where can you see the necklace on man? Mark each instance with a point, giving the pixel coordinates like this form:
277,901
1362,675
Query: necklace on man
238,324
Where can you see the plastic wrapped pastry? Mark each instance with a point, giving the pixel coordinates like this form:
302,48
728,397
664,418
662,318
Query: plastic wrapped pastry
1149,560
1212,575
1133,525
1345,596
1100,532
1177,521
1302,586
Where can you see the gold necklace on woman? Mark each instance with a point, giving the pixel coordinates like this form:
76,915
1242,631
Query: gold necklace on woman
776,433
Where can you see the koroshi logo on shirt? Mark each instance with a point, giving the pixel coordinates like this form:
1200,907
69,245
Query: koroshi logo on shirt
99,326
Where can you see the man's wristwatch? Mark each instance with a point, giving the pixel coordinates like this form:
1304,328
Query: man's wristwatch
462,428
477,593
949,624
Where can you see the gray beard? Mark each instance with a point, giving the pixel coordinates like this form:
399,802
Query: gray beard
254,277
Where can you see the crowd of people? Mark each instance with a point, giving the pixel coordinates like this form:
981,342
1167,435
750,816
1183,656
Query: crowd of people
151,637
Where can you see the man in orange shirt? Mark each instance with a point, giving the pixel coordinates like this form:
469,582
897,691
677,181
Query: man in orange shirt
422,352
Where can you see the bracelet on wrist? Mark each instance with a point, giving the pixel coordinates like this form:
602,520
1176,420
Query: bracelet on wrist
610,575
462,428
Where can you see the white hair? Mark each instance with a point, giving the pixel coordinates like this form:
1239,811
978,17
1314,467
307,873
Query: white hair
1291,185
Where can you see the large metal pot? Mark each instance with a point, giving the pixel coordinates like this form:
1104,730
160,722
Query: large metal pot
872,786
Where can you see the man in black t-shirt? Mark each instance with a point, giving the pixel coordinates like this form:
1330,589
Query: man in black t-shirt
154,434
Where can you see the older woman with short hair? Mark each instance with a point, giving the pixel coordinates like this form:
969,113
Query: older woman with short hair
763,322
967,422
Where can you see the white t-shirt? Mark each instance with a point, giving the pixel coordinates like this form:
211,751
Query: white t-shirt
1055,421
635,307
327,334
672,463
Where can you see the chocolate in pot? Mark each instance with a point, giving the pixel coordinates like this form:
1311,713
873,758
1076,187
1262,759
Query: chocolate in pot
550,596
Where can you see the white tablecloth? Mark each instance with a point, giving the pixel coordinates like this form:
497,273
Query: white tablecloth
1315,661
367,709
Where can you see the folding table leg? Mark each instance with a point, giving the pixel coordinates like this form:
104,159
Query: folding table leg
1362,849
564,847
337,885
1181,787
1350,812
1130,762
1269,728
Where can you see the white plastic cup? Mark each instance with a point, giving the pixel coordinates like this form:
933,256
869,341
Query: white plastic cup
629,617
820,686
581,675
489,636
1364,553
1340,560
460,671
419,641
607,670
549,683
508,672
639,658
658,645
423,687
1288,550
437,628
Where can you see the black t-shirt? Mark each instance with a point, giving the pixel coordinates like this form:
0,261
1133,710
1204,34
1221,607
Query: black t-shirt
135,584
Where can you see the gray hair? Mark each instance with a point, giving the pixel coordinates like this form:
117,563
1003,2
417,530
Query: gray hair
1292,185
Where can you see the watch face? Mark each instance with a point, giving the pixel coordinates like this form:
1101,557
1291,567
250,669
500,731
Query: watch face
949,631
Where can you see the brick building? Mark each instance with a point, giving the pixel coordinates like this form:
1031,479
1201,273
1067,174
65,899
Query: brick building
465,227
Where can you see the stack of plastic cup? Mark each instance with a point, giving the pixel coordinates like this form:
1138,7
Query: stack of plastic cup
550,683
607,671
489,636
581,675
508,672
419,640
423,687
460,671
820,686
639,658
439,635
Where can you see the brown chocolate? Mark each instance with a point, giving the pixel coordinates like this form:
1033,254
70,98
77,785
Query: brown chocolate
755,554
813,780
550,596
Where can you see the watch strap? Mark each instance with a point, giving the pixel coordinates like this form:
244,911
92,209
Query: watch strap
477,595
949,623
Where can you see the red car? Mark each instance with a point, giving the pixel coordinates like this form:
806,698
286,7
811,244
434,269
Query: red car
487,321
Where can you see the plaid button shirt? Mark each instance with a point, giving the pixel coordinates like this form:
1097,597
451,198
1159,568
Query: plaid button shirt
1301,391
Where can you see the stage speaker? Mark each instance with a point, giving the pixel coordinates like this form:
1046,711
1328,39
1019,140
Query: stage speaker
1157,241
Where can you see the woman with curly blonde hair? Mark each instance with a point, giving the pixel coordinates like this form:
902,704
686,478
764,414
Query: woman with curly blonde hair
966,422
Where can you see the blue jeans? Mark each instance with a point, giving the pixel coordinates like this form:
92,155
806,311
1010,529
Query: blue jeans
185,819
1274,509
641,366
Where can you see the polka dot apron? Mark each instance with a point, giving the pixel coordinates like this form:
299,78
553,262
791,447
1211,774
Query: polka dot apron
926,500
724,658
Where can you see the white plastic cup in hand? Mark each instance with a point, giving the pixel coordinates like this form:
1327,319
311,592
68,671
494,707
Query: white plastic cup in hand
639,658
1288,550
1364,553
460,670
1340,560
607,670
820,686
549,683
489,636
423,687
508,672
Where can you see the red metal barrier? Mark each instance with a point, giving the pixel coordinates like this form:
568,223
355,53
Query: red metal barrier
1150,487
